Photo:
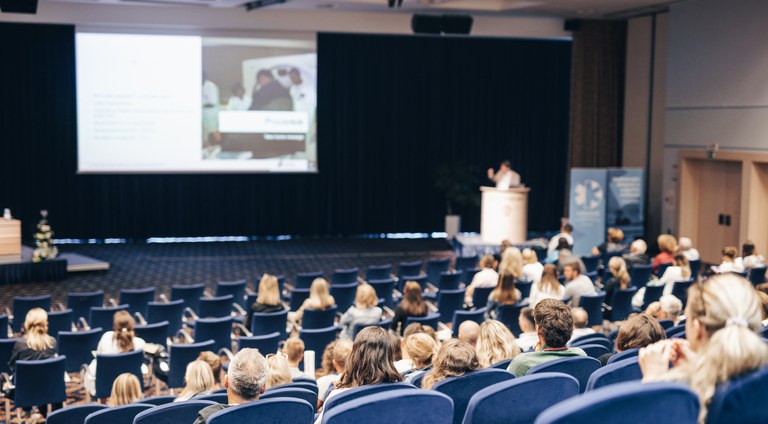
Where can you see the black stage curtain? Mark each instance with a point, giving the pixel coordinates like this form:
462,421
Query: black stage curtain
392,110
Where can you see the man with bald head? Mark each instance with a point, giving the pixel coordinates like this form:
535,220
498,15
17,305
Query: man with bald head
580,321
468,332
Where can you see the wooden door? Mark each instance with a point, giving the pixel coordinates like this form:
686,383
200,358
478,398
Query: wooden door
719,207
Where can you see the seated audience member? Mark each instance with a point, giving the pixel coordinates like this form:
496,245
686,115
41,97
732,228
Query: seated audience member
326,362
278,371
468,332
122,339
339,357
528,336
244,381
580,321
268,299
565,233
532,268
562,250
364,311
686,247
125,389
749,257
214,361
370,362
421,349
198,381
397,346
680,270
548,287
319,298
639,331
619,279
505,244
722,317
294,351
667,247
636,255
495,343
729,263
406,364
505,293
486,277
454,358
554,326
668,307
412,305
764,305
576,283
613,244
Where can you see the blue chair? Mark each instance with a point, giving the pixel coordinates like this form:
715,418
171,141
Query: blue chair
270,322
524,287
666,323
378,272
344,276
361,391
277,410
123,414
588,338
317,340
461,389
449,280
384,289
468,274
466,262
104,317
757,275
593,304
430,319
663,268
412,268
38,383
217,329
81,304
679,328
74,414
6,349
627,354
190,294
59,321
172,312
76,347
137,299
215,307
222,398
652,294
480,296
298,296
616,372
234,288
22,305
477,315
4,329
579,367
304,279
594,350
501,365
293,393
312,387
172,413
448,302
639,275
627,403
680,290
109,366
435,267
601,341
741,400
344,295
520,400
421,279
416,381
318,318
179,356
158,400
622,304
266,344
385,324
695,268
591,263
153,333
509,315
394,406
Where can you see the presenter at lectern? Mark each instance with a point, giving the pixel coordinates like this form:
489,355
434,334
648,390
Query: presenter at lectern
505,177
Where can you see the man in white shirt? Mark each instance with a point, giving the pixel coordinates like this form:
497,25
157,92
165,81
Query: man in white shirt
528,336
487,277
565,232
577,284
580,321
505,178
685,246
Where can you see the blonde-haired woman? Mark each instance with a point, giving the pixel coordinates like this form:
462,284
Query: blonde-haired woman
505,293
495,343
198,381
364,311
420,349
548,287
319,297
279,370
125,390
268,299
723,316
667,247
454,358
36,344
532,268
619,279
121,339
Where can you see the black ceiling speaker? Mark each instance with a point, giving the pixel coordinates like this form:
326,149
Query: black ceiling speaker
457,24
18,6
427,24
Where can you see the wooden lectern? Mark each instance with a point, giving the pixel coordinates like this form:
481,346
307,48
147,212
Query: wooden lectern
504,215
10,240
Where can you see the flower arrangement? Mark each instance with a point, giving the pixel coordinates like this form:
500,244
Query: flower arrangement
44,248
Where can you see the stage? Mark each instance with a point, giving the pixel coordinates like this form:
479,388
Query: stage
24,270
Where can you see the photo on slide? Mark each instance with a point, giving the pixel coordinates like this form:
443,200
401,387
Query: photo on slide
259,99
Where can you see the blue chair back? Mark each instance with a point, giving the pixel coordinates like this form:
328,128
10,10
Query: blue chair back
757,275
74,414
108,367
81,303
627,403
412,268
695,268
652,294
22,305
435,267
680,290
153,333
416,381
588,339
104,317
266,344
358,392
741,400
172,413
298,296
663,268
305,385
304,279
317,340
318,318
591,262
524,287
421,279
216,307
466,262
4,330
578,367
190,294
158,400
617,372
171,312
123,414
395,406
468,274
640,275
59,321
627,354
76,347
461,389
234,288
520,400
217,329
679,328
666,323
215,397
344,295
430,319
6,349
39,382
622,304
509,315
277,410
270,322
477,315
480,296
593,304
378,272
449,280
137,299
594,350
179,356
385,324
344,276
501,365
291,392
448,302
384,290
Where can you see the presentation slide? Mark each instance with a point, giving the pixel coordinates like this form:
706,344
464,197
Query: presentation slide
190,104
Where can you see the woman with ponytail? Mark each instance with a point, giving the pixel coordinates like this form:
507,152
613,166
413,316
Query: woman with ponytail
619,278
36,344
121,339
721,343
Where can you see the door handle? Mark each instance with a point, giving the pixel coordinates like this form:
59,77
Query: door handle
727,220
720,219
